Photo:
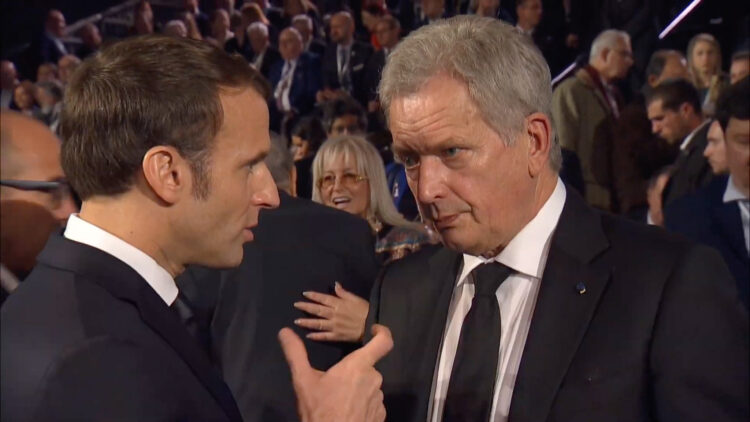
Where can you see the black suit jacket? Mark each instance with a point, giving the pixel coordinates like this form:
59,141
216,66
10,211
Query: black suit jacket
360,54
298,247
271,58
372,74
658,334
705,218
691,171
306,82
86,338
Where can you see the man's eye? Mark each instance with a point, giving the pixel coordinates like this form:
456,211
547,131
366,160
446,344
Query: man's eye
451,152
408,161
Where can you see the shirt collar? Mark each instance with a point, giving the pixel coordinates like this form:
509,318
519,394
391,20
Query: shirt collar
690,137
525,251
155,275
732,193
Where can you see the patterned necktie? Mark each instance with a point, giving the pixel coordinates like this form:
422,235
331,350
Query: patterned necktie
472,382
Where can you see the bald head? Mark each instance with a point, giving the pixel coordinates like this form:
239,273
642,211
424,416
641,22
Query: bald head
290,43
29,152
342,28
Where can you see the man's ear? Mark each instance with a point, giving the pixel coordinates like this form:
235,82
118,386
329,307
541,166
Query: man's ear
686,109
167,173
539,135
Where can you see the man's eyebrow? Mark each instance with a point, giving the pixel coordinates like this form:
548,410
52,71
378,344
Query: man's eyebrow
257,159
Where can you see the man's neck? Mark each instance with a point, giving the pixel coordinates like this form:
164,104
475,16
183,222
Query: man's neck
134,224
600,70
346,44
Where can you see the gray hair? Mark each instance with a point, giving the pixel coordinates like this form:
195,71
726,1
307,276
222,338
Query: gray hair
176,28
303,18
370,165
506,75
258,27
607,39
280,163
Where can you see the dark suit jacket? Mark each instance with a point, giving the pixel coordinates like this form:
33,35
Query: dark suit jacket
692,170
658,335
306,82
360,54
372,74
271,58
298,247
86,338
705,218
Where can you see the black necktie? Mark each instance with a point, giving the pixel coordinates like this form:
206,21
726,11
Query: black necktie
472,382
181,307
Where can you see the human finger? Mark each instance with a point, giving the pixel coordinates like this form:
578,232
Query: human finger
314,324
379,346
324,336
314,309
343,293
322,298
295,354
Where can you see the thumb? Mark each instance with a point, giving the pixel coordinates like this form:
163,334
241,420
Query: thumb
295,354
375,349
343,293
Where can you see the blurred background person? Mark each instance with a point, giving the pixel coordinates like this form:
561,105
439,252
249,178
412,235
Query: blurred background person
66,66
304,24
175,28
306,138
8,83
34,198
23,98
740,66
220,25
716,151
344,61
264,55
49,96
47,72
143,19
91,40
249,13
704,64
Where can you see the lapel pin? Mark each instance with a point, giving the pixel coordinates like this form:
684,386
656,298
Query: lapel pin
581,288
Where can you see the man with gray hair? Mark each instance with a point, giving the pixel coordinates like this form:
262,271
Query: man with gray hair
586,106
264,54
304,24
538,308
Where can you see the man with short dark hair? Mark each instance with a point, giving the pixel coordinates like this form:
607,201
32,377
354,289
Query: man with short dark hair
344,116
344,61
719,215
675,114
99,331
740,66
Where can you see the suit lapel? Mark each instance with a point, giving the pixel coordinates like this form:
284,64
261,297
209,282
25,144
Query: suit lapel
728,222
126,284
570,290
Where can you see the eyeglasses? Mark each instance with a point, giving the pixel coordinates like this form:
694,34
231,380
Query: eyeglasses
346,179
58,189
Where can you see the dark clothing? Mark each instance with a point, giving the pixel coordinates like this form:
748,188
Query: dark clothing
658,335
271,57
233,46
691,169
705,218
86,338
306,82
298,247
360,54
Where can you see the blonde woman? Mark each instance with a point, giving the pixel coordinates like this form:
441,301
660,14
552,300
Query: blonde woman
349,175
704,65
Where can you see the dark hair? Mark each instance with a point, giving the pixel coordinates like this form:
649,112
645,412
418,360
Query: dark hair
53,88
674,93
311,130
341,107
658,60
741,55
142,92
734,101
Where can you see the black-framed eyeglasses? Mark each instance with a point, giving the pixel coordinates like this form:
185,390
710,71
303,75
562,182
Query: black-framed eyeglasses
58,189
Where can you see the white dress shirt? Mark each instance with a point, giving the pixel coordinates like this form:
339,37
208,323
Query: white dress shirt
284,87
733,194
155,275
527,255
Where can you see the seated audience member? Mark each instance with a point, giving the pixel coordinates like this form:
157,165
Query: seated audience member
220,25
50,47
264,54
538,307
226,5
637,153
349,175
299,247
306,137
249,14
49,96
675,114
295,79
304,24
719,215
343,64
529,13
388,33
344,116
23,98
292,8
716,151
430,11
34,197
91,40
8,83
740,67
371,15
585,108
493,9
704,64
654,197
47,72
99,331
175,28
143,19
201,19
66,66
193,29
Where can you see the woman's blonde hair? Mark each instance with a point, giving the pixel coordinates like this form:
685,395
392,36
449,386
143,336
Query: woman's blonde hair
707,38
368,164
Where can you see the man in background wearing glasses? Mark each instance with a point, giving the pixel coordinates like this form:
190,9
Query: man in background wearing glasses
34,198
